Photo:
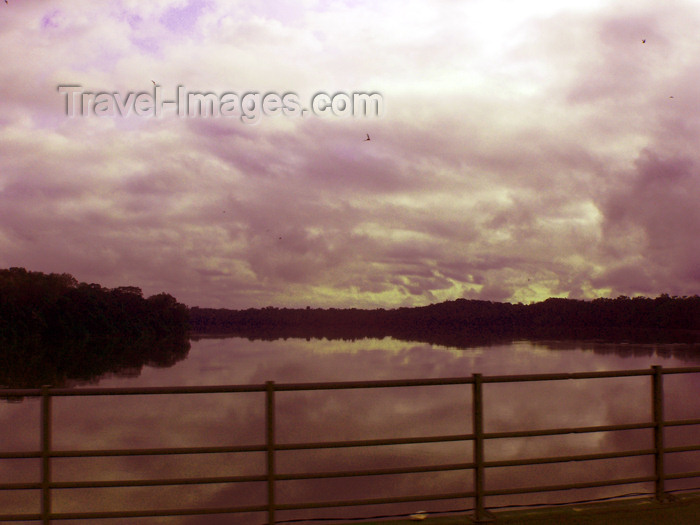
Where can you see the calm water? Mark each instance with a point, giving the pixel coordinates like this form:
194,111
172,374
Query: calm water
232,419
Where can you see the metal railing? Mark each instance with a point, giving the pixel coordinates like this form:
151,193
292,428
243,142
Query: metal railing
271,476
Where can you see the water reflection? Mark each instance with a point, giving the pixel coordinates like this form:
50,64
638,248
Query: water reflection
238,419
71,364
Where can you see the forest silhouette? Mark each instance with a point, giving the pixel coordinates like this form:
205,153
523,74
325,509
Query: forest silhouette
57,331
470,322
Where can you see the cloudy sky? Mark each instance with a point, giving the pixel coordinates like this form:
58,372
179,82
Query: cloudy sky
524,149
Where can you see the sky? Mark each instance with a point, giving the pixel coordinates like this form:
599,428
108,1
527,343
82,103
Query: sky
522,150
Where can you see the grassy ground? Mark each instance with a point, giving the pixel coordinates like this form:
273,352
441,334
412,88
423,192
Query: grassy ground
683,510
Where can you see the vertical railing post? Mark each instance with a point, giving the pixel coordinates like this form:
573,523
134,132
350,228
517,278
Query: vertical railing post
45,455
480,515
657,396
270,433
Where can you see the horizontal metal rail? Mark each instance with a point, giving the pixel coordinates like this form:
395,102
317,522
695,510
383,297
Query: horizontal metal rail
569,486
567,459
683,475
686,448
375,472
133,452
341,385
374,442
374,501
568,430
680,422
271,477
155,513
155,482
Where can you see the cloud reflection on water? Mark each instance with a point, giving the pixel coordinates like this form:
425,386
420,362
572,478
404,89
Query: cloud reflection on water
203,420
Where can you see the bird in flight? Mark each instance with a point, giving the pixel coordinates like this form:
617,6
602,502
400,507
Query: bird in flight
366,138
644,41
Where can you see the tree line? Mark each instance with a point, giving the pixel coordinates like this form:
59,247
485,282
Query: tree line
669,318
56,307
57,331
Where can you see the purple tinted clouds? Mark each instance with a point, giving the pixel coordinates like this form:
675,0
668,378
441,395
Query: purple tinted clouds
182,19
517,158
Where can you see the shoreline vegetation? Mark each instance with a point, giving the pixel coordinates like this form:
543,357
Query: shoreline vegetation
464,322
57,331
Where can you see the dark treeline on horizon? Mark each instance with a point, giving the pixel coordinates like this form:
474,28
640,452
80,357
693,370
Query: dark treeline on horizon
56,307
55,330
663,318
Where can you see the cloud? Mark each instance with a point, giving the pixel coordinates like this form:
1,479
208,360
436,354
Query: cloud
523,152
657,209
